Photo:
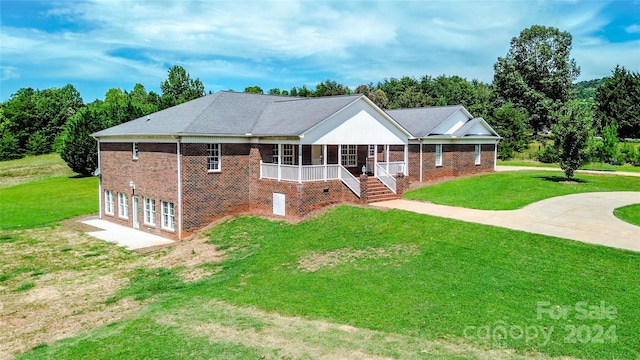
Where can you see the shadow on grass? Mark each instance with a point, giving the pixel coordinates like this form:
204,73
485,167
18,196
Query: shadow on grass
560,179
79,176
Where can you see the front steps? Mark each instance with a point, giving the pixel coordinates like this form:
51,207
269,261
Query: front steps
377,191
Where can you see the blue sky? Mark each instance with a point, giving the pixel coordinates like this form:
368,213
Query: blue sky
98,44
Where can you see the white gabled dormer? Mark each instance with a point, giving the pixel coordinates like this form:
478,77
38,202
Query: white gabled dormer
454,122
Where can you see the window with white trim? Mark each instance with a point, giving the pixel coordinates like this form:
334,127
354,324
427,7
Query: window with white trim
275,150
372,150
108,202
349,155
213,157
136,151
478,154
123,205
287,154
168,216
438,154
149,211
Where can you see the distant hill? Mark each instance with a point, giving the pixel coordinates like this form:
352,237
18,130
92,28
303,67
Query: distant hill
585,90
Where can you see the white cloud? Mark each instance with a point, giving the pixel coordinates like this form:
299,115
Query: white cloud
633,29
296,42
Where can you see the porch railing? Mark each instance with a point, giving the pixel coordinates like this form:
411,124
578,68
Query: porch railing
300,174
310,173
388,180
348,179
393,167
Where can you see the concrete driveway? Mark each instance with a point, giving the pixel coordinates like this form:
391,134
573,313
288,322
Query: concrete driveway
586,217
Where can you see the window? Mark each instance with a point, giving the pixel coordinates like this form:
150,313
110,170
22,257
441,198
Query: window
135,151
478,154
123,205
149,211
213,157
168,215
274,153
287,154
372,150
438,154
349,157
108,202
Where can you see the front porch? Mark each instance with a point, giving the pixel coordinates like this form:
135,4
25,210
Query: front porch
304,163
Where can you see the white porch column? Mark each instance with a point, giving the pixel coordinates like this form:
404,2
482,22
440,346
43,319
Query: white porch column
299,163
279,162
340,161
375,161
324,160
406,160
387,156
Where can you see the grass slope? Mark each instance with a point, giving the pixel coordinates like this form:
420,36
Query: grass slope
419,277
47,201
31,168
513,190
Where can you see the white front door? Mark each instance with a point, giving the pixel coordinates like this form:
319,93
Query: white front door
136,219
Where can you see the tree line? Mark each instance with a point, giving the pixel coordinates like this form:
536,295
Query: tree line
532,94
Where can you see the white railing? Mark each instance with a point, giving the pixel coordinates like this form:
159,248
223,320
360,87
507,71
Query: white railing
269,171
310,173
348,179
293,172
289,172
388,180
393,167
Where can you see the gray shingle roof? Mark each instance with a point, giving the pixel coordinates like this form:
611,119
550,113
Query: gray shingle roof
230,113
240,114
421,121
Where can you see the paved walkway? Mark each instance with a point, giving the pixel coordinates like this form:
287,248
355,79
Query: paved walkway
586,217
126,237
524,168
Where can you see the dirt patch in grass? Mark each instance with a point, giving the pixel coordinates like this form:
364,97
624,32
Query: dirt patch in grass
74,275
293,337
327,260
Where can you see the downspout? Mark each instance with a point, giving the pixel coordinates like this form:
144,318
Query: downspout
495,155
421,140
99,183
179,188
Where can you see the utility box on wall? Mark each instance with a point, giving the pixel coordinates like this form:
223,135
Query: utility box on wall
279,204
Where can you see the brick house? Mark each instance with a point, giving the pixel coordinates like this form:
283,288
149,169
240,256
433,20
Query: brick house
175,171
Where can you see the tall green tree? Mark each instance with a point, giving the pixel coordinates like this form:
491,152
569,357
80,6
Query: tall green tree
511,124
179,87
253,90
572,134
537,74
618,102
34,118
79,149
331,88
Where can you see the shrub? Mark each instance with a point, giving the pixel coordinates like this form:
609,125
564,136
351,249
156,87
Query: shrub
630,154
547,154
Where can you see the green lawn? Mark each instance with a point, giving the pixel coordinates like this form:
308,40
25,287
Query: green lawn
31,168
590,166
513,190
47,201
629,213
419,277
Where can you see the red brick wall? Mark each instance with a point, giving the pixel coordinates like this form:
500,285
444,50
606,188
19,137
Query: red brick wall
457,160
154,174
208,196
300,199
